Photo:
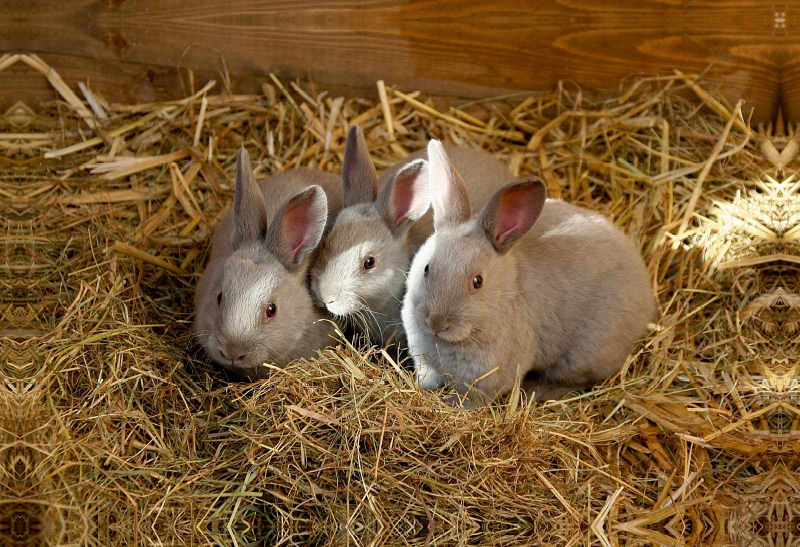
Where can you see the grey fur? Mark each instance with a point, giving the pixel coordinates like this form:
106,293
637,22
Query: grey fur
262,269
358,172
565,302
372,300
248,205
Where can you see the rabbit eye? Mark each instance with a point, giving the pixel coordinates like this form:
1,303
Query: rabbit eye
219,299
270,311
369,262
477,282
426,270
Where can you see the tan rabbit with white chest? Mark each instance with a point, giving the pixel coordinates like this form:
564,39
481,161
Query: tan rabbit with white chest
252,303
531,289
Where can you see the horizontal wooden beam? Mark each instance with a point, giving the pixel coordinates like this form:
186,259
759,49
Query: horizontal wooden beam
132,50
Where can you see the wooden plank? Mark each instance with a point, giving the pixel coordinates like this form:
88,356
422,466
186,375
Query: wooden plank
449,47
117,81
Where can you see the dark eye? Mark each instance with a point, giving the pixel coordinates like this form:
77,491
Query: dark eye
219,299
369,262
270,311
477,282
426,269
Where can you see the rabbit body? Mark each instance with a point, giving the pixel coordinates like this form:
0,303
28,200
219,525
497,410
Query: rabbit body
386,221
559,308
254,265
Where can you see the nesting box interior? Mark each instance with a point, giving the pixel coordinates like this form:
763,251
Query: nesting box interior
121,125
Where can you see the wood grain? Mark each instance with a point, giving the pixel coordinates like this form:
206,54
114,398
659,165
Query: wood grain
130,49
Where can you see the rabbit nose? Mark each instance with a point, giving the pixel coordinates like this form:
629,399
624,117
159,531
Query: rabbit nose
437,322
230,352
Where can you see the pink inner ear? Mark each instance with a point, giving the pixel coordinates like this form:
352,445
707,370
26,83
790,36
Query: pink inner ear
410,197
439,201
439,179
297,228
514,214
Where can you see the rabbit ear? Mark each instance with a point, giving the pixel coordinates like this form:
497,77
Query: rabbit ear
298,227
405,197
249,208
512,211
359,179
447,189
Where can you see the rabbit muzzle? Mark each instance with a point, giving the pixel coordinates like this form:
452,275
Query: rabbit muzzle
328,291
445,324
337,303
234,352
438,323
237,350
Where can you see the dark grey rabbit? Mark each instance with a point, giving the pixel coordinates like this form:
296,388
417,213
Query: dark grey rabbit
531,289
360,273
252,304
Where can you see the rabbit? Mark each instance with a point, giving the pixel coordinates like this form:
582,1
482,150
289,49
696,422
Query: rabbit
531,290
252,304
360,272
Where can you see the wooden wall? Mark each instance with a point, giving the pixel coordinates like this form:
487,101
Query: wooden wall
129,49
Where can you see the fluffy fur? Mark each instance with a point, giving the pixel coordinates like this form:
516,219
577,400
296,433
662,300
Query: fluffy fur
563,295
255,264
389,226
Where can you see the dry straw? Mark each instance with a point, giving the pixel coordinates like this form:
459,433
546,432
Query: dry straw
119,435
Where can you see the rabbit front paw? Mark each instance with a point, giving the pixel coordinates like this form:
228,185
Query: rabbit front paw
428,377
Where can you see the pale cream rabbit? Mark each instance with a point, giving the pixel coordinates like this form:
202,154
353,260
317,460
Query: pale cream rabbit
531,289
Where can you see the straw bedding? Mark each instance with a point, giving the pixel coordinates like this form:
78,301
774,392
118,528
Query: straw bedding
114,432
